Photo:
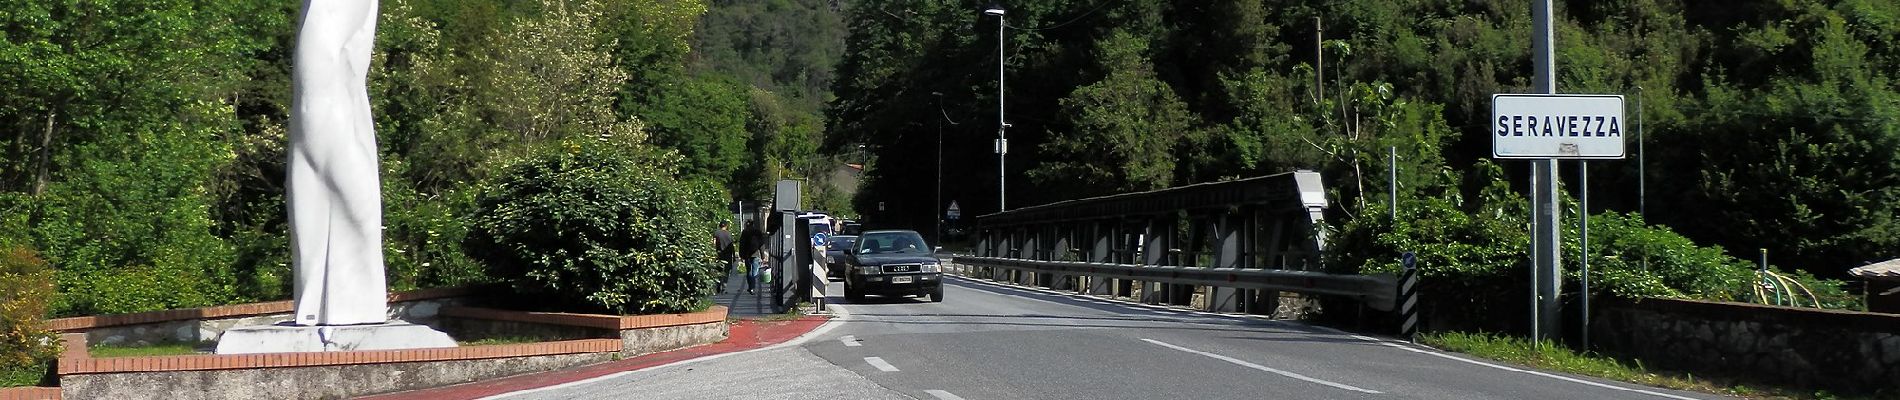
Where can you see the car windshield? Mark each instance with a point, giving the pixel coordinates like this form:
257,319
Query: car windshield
842,242
892,243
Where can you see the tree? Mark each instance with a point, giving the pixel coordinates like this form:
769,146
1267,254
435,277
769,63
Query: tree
1123,130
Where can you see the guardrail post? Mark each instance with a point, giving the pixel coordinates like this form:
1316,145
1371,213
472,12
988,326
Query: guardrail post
1408,297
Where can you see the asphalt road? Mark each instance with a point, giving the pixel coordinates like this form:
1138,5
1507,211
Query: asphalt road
990,341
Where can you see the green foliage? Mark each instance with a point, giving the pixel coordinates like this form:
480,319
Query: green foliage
1124,128
129,225
32,375
1551,356
1472,268
121,118
26,287
704,119
786,47
601,226
151,350
422,239
1470,255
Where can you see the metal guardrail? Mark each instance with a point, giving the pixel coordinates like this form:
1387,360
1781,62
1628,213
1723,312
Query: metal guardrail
1380,292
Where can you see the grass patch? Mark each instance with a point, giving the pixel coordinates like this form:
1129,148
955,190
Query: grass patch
499,340
159,349
18,377
1547,355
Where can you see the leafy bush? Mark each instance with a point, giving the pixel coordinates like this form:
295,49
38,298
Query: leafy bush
599,226
1474,264
1471,260
129,227
423,236
26,284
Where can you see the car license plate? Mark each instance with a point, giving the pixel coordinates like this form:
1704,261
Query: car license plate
900,279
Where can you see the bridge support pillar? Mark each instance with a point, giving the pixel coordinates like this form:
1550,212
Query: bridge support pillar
1227,244
1100,252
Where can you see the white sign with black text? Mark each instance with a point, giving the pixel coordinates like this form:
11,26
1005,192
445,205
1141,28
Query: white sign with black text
1557,126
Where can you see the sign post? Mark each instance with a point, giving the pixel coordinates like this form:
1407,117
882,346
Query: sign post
1543,128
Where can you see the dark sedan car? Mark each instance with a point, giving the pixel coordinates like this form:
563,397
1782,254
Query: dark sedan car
888,263
835,252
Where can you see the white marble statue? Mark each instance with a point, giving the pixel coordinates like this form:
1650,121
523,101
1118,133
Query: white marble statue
335,197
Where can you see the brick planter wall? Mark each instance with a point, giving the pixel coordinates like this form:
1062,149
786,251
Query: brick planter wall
206,324
1841,351
587,339
29,393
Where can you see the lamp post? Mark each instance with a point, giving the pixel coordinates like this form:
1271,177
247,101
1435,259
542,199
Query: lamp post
1002,142
938,228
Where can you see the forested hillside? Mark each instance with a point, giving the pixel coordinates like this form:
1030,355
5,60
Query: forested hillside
1765,124
780,54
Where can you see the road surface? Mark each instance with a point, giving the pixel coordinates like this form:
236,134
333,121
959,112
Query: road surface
993,341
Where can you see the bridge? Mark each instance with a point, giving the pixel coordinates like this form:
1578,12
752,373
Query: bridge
1229,246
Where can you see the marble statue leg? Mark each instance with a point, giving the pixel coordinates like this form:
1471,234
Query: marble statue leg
335,196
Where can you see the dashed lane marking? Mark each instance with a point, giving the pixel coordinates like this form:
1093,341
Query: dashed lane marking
880,364
942,395
850,341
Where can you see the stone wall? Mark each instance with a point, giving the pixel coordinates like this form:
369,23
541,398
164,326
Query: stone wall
316,382
1840,351
653,340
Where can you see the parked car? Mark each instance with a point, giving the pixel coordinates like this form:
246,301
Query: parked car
835,255
893,262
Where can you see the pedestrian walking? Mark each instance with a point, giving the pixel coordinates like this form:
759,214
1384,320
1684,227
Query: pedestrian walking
752,246
728,260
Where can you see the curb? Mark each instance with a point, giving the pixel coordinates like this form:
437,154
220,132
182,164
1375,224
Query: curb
745,335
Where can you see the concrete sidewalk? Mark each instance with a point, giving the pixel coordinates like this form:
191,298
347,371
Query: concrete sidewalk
742,305
756,327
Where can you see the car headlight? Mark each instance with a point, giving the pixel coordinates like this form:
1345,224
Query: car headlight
933,268
868,270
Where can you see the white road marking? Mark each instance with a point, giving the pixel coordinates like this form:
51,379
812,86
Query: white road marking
850,341
1261,318
1506,368
880,364
1244,363
942,395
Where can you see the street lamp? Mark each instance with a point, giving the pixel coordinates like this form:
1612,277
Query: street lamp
938,211
1002,142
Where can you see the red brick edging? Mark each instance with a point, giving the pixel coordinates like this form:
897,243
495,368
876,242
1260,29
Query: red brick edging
29,393
615,322
68,366
234,310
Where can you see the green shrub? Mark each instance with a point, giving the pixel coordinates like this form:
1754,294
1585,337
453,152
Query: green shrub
423,235
1474,262
26,283
599,226
128,224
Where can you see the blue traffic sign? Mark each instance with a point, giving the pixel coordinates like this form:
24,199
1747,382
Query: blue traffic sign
1408,260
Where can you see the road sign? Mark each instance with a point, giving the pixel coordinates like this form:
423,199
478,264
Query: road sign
953,212
1408,260
1587,126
